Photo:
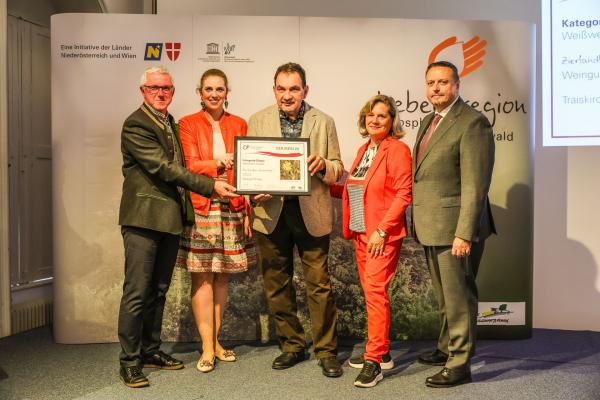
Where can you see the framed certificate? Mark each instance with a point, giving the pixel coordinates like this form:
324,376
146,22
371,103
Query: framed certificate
271,165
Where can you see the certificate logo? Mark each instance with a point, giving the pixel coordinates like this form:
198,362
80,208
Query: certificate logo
470,53
153,51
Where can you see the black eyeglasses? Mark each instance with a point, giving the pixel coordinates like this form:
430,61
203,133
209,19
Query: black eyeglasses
156,89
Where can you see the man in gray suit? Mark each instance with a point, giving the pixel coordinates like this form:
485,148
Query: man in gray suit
452,169
154,207
282,222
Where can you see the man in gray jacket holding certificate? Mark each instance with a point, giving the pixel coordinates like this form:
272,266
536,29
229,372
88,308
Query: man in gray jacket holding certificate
282,222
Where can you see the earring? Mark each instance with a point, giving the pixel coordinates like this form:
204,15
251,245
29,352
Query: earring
202,104
226,103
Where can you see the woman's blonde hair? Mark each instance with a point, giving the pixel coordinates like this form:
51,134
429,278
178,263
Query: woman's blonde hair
212,72
395,130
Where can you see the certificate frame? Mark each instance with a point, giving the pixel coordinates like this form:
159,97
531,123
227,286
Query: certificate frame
271,165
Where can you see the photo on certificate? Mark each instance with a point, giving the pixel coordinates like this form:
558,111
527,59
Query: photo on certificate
271,165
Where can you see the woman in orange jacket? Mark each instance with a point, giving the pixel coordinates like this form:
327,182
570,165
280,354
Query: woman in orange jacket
375,196
218,243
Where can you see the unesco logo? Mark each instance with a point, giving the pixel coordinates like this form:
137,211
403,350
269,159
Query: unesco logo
212,48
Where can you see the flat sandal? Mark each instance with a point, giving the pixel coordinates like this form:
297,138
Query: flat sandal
227,356
205,365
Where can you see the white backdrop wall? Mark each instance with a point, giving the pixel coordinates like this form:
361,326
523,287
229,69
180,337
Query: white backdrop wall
96,60
566,281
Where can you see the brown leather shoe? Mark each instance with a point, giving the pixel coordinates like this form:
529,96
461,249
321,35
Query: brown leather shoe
449,377
436,357
288,359
161,360
133,376
331,366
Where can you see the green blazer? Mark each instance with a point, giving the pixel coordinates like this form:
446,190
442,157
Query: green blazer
452,179
150,197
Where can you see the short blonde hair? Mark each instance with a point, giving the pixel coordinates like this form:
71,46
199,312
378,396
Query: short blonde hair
154,70
389,101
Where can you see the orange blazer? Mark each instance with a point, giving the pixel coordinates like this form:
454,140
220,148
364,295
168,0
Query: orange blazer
388,190
196,136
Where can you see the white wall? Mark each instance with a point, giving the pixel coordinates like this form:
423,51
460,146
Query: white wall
566,272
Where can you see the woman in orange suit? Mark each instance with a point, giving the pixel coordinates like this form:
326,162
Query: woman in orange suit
375,196
218,243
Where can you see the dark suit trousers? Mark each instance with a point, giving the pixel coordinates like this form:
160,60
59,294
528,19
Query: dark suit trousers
149,262
277,266
453,281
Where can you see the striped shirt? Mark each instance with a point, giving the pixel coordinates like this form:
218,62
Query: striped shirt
356,190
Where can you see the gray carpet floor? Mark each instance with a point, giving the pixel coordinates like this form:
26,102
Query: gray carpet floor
552,364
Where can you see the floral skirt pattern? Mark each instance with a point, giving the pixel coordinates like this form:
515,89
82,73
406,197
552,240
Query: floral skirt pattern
216,242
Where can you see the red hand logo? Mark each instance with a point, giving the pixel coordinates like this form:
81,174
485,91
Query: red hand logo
473,52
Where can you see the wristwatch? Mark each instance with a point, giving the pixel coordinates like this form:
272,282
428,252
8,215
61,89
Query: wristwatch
381,233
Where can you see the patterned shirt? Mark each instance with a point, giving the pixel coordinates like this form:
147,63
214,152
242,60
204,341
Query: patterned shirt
292,129
164,118
365,162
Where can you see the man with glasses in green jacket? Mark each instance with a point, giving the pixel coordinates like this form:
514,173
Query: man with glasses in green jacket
155,205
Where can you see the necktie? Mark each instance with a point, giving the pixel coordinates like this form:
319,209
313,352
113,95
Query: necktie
428,136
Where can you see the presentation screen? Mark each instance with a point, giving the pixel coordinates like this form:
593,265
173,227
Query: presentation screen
571,72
